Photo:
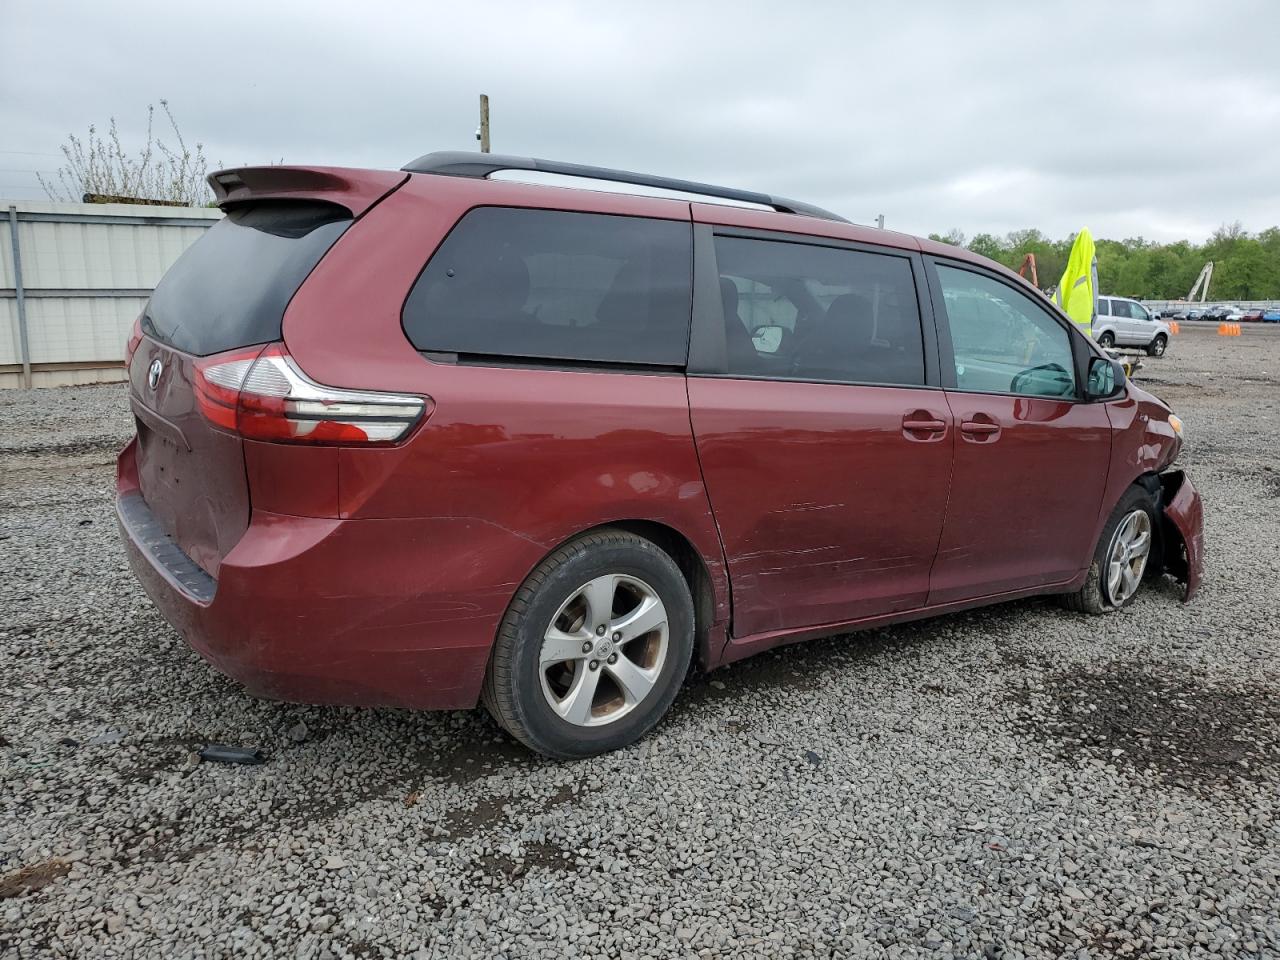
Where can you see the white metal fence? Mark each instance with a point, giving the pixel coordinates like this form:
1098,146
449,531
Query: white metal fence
73,276
1159,305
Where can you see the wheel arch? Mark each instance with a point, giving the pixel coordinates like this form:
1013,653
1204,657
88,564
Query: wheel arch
709,636
1148,481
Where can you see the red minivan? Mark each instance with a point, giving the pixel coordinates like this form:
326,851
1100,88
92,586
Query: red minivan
432,437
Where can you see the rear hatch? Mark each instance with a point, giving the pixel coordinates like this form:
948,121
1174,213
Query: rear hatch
228,291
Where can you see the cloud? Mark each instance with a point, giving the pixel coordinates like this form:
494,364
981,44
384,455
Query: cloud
1135,119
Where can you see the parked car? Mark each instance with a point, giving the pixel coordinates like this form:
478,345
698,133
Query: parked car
1271,315
1122,322
1252,315
450,439
1195,313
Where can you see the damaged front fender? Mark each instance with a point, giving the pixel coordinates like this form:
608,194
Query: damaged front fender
1182,523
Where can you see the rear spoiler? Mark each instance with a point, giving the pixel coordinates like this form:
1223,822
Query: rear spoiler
357,190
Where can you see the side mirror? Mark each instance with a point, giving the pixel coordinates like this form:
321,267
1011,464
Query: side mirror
767,339
1106,379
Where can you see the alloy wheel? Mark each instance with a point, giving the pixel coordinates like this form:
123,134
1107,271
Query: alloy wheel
1127,559
604,650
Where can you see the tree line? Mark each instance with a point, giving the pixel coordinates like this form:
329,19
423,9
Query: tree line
1245,266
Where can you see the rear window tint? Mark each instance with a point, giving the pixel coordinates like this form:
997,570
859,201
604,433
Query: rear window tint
552,285
230,288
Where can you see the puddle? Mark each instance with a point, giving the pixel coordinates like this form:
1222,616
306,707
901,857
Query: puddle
1192,733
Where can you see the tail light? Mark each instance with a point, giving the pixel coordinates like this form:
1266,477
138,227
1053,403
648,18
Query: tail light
261,394
135,338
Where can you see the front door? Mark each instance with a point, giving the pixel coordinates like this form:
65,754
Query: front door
1031,457
826,455
1143,325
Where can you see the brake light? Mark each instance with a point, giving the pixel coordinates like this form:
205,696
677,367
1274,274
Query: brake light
135,338
261,394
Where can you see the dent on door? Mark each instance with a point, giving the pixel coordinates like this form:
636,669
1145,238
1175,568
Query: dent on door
829,498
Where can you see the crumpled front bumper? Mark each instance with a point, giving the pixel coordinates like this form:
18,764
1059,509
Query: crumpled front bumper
1183,528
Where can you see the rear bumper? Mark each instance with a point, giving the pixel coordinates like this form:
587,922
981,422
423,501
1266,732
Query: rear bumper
319,610
1184,531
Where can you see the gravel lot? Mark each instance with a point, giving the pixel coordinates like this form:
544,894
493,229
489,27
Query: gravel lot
1011,782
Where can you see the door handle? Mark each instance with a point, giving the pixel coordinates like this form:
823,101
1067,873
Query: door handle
928,426
923,426
979,431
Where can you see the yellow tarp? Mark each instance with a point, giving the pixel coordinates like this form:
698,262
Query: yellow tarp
1077,290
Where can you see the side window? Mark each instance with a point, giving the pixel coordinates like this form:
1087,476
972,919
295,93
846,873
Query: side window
802,312
1002,340
546,284
1104,307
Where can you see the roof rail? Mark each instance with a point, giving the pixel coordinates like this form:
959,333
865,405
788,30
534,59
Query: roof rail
460,163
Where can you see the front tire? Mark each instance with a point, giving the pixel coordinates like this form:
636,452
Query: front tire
1157,346
1107,340
1122,557
593,648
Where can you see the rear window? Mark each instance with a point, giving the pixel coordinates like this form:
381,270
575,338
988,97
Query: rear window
553,285
230,288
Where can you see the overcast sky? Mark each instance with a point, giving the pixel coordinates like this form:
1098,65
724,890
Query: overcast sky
1160,120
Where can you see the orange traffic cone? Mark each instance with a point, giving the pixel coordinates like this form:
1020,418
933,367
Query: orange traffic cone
1228,329
1173,327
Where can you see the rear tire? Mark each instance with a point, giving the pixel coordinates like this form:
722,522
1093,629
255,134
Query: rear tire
593,648
1102,591
1107,340
1157,346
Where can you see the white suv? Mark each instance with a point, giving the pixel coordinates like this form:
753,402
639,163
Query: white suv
1122,322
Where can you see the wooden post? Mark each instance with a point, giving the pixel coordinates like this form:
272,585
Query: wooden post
1029,261
484,123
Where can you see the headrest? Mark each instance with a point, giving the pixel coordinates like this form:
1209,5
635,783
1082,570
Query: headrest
728,296
850,317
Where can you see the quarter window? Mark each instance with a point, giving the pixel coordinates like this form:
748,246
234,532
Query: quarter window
552,285
804,312
1003,341
1104,307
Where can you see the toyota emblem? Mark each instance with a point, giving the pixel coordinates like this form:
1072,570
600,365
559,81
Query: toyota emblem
153,372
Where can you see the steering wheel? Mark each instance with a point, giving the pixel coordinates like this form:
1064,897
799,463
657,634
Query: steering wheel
1059,375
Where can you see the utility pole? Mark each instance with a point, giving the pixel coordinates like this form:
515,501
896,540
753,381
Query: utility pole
482,134
880,221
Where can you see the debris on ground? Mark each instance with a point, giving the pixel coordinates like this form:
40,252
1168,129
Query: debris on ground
224,753
103,739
